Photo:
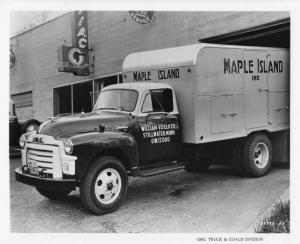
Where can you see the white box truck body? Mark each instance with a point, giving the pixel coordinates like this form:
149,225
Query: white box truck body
223,92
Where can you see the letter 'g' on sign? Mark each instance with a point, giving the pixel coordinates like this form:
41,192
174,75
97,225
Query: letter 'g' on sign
75,56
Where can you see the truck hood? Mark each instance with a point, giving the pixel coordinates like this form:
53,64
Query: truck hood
64,127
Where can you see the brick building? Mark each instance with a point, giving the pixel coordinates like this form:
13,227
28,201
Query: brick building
40,91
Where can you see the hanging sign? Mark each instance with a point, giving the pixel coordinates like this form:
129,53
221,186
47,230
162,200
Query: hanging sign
12,58
142,17
75,59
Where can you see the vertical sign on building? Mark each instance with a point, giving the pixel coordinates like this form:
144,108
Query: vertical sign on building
75,59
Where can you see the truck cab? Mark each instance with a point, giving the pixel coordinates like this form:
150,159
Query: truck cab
153,119
132,130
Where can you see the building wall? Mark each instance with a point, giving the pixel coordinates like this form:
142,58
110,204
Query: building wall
113,35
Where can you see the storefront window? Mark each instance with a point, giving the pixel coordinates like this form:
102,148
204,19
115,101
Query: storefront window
103,82
80,97
62,104
22,99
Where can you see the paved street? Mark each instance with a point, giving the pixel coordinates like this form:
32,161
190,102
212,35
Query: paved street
217,201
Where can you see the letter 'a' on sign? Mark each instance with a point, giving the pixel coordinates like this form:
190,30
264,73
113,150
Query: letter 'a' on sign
82,32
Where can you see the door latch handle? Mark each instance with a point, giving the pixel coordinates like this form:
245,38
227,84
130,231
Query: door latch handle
122,128
261,89
281,109
229,114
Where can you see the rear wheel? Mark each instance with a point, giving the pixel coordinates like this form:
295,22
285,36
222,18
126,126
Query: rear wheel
256,156
105,185
53,194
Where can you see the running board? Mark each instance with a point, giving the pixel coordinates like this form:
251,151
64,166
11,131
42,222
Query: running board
161,170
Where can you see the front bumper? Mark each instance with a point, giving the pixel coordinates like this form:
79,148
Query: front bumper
47,183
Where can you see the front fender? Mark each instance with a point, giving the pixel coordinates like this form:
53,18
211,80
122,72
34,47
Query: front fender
89,146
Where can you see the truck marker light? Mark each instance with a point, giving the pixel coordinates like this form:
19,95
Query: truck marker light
22,141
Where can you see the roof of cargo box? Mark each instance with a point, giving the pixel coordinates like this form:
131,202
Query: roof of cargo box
171,57
168,57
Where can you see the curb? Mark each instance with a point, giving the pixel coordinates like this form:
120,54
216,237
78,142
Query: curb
284,197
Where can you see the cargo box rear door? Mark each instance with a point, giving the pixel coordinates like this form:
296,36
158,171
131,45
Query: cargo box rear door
256,90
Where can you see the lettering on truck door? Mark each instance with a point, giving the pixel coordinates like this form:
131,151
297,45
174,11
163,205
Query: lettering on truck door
256,90
159,130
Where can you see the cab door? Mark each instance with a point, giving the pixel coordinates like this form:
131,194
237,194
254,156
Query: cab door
159,137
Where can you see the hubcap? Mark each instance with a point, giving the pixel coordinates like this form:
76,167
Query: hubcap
108,186
261,155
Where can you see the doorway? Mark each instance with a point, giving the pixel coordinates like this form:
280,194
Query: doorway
82,99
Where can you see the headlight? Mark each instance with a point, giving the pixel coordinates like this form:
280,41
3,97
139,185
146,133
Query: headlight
22,141
68,146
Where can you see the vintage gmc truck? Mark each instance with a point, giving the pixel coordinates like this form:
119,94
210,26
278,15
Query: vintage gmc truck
182,107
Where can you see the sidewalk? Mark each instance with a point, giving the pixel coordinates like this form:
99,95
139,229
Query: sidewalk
284,197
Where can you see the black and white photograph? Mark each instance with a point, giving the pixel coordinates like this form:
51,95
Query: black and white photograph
150,121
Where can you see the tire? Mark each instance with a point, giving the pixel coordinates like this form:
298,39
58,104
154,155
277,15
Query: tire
196,166
52,194
104,187
29,126
256,156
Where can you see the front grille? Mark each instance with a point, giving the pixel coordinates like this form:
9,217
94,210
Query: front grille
43,155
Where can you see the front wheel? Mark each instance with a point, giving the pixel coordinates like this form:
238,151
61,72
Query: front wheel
104,187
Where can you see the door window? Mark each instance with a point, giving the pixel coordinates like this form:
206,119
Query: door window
158,101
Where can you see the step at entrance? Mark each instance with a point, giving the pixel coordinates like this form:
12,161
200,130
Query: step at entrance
160,170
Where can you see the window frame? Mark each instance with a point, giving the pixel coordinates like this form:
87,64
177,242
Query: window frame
137,98
16,102
94,80
149,92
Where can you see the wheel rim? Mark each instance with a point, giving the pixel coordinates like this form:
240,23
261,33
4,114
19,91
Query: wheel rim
108,186
261,155
31,127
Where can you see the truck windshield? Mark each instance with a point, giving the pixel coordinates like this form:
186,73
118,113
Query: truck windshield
117,99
